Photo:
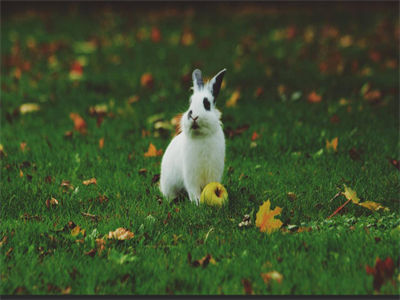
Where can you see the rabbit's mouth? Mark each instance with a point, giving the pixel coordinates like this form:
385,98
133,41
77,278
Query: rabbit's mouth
195,126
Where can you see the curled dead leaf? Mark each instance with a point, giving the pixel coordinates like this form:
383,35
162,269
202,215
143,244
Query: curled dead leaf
272,276
90,181
79,123
121,234
152,151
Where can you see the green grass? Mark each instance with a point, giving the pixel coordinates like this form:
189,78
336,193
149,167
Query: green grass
289,156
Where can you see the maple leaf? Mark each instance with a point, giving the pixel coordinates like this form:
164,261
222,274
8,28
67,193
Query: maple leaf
79,123
233,99
265,218
273,275
28,108
121,234
313,97
332,145
90,181
382,271
152,151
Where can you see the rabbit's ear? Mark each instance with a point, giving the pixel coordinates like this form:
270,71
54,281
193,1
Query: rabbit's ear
214,84
197,80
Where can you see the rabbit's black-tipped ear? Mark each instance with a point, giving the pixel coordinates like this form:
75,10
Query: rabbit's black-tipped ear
197,80
215,83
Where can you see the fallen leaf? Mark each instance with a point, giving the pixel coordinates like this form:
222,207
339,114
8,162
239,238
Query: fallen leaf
233,99
101,143
90,181
247,286
66,184
238,131
265,218
76,230
292,196
100,245
395,163
147,80
121,234
66,291
91,253
373,206
332,145
51,202
272,276
355,154
255,136
79,123
351,195
187,38
313,97
203,262
28,108
259,92
3,241
155,35
76,71
133,99
152,151
382,271
22,146
2,152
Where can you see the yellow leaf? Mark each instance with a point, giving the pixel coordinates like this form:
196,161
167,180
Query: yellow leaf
76,230
265,218
90,181
373,206
233,99
351,195
152,151
332,145
28,107
121,234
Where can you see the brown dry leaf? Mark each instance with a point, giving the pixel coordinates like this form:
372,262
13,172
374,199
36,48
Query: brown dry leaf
247,286
203,262
100,245
265,218
133,99
66,184
313,97
152,151
233,99
101,143
79,123
332,145
272,276
21,174
28,108
147,80
90,181
3,241
187,37
121,234
51,202
255,136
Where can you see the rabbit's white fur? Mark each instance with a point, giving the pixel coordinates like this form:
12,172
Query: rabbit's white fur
195,157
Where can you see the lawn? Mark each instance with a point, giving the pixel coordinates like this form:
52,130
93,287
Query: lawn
309,106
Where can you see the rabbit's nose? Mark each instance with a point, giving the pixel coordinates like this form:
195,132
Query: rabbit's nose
194,119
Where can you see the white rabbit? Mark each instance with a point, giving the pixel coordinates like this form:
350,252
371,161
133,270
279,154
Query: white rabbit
195,157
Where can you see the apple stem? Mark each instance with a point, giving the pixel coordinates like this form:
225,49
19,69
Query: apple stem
218,192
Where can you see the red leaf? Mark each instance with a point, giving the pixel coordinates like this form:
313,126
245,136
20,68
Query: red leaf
382,271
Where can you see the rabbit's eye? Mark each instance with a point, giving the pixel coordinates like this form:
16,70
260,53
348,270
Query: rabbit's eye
206,104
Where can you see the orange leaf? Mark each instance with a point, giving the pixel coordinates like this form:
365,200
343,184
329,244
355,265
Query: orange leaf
152,151
265,218
90,181
273,275
101,143
147,80
255,136
22,145
79,123
121,234
313,97
332,145
155,34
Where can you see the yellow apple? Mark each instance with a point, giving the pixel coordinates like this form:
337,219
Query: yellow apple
214,194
